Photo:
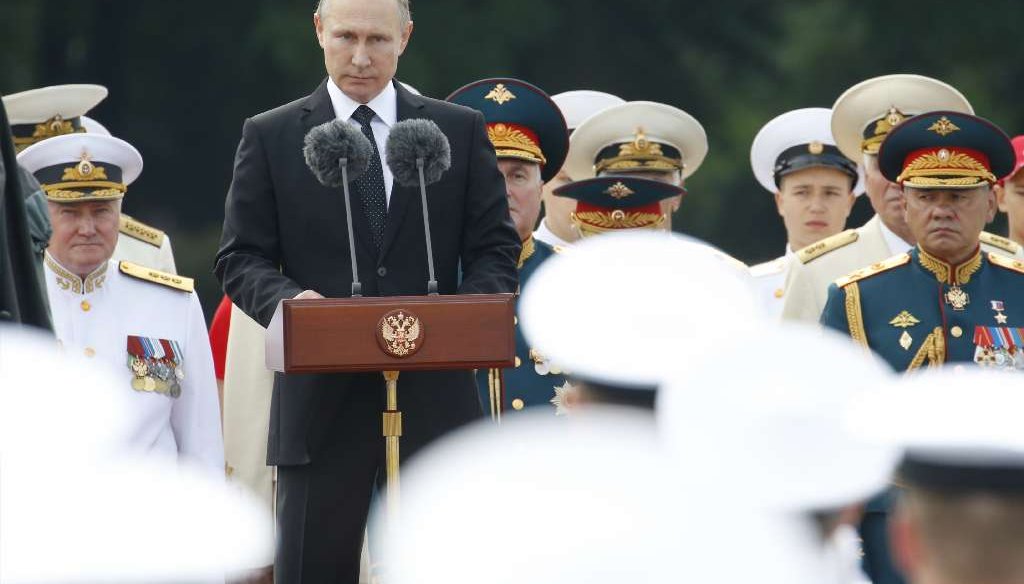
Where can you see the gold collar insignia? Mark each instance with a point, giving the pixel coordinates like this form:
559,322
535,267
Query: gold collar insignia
946,273
71,282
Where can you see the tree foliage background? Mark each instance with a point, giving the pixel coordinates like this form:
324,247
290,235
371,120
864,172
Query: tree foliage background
183,76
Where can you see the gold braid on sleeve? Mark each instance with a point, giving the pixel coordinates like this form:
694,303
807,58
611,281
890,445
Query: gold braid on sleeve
854,317
933,350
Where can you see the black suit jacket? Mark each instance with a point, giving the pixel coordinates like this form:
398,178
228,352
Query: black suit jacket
284,233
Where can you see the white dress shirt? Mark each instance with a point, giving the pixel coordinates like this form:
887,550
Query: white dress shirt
547,236
385,105
95,316
896,244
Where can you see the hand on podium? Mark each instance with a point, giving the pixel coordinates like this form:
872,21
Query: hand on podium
308,295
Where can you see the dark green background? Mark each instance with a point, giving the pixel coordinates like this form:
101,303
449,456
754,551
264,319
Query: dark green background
184,74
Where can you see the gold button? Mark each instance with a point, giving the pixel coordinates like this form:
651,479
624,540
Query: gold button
90,352
957,332
518,404
778,292
518,361
86,306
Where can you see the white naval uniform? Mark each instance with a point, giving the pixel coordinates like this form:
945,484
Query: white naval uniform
141,244
95,317
769,280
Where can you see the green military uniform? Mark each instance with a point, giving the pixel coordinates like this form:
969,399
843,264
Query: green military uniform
524,124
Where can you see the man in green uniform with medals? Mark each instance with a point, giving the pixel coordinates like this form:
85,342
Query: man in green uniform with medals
531,140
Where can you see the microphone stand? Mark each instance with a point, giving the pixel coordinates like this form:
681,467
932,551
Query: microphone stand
432,283
357,287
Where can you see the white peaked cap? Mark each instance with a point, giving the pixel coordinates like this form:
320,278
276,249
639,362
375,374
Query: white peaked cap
39,105
580,104
69,149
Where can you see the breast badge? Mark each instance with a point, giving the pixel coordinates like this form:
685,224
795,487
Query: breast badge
999,347
156,365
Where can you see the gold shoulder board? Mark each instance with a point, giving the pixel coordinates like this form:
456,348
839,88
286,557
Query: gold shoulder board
816,250
873,269
157,277
1000,242
1005,262
557,248
139,230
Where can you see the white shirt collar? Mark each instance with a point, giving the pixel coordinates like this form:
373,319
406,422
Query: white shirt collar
385,105
543,233
895,243
789,251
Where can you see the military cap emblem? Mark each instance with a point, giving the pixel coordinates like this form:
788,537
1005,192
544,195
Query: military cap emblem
815,147
619,191
500,94
943,127
400,333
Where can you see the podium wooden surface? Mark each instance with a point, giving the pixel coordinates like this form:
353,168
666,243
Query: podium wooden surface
465,331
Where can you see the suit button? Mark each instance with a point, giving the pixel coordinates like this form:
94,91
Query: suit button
382,271
518,404
5,315
957,332
86,306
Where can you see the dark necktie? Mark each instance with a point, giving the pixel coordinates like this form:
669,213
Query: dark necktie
370,185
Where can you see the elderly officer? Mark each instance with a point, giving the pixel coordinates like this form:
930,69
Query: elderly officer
530,139
555,228
946,300
1010,194
861,118
56,110
147,323
795,158
641,139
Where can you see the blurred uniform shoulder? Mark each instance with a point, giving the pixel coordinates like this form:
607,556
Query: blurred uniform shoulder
829,244
1006,262
138,230
157,277
1000,242
873,269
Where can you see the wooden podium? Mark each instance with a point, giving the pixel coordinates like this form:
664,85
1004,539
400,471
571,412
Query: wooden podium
392,334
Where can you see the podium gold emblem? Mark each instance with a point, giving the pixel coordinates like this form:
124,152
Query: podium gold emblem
400,333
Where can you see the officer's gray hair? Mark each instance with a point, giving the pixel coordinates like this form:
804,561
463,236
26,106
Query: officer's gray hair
404,12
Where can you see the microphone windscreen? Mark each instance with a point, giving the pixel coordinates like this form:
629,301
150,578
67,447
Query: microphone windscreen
327,143
413,139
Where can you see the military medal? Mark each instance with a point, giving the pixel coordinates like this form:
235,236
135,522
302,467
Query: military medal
155,365
997,306
999,347
957,298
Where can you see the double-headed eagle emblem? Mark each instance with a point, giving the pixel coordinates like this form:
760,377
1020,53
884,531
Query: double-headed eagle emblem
400,333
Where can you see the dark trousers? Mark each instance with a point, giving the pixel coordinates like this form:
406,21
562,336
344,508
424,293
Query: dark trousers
322,507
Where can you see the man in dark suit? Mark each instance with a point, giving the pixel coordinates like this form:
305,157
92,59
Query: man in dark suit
284,237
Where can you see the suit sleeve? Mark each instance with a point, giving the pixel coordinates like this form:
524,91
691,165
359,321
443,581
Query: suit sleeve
490,244
249,259
834,315
195,416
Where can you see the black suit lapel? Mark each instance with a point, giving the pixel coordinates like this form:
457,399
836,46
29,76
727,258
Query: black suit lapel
409,106
317,110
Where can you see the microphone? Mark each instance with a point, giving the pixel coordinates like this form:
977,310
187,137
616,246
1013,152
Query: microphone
418,152
337,153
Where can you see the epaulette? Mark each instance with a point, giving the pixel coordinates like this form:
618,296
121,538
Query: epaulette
832,243
1005,262
873,269
1002,243
157,277
139,230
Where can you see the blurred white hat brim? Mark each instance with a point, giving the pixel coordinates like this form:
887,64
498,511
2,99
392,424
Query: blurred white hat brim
793,128
39,105
623,308
660,123
592,501
580,104
93,127
871,100
774,406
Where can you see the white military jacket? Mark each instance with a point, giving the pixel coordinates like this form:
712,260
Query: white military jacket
142,244
154,334
769,281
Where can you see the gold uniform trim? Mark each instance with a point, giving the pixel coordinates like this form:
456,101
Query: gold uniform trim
157,277
592,222
1006,263
512,143
956,169
138,230
640,154
854,315
68,281
1002,243
932,350
55,126
529,247
831,243
946,273
873,269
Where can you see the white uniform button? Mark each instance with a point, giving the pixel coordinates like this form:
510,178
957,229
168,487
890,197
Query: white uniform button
90,352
